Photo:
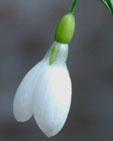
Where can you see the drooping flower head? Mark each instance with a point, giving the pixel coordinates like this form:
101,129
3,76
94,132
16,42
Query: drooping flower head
45,91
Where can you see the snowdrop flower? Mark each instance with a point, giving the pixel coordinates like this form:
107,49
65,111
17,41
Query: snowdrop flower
45,91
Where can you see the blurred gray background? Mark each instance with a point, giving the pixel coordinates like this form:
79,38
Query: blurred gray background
26,31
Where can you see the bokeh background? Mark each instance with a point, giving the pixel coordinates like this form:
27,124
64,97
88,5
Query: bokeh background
26,31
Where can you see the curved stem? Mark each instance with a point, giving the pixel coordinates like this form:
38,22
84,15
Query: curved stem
108,4
105,3
73,6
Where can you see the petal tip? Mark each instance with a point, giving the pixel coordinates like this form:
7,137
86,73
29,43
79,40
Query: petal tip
19,115
50,133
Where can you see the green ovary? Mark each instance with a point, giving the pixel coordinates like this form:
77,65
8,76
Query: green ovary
65,29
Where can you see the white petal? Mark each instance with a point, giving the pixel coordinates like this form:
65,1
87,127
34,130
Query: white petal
52,99
22,106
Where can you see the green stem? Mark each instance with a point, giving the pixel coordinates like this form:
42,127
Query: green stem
73,6
105,3
108,4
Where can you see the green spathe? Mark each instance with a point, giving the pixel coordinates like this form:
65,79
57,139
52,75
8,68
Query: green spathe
65,29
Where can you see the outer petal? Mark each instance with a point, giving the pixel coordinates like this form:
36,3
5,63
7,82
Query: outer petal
52,99
22,106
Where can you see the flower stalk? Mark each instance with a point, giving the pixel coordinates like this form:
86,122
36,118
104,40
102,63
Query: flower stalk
73,6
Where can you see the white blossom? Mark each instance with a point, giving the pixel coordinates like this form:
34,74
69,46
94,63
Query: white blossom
45,92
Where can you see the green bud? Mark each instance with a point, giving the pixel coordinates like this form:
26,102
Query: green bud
65,29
